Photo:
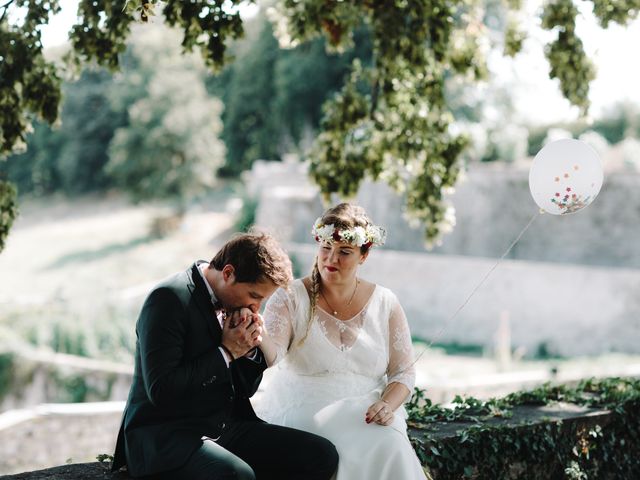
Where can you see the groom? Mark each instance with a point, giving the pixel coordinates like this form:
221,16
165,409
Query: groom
188,414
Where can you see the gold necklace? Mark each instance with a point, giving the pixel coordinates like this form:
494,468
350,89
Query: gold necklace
335,312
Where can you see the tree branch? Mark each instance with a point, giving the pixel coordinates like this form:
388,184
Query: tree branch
6,9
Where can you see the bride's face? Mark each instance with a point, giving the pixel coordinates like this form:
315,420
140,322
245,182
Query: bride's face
338,262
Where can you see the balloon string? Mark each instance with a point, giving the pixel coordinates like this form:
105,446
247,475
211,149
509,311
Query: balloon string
475,289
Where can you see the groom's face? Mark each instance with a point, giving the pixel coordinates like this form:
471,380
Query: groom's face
235,295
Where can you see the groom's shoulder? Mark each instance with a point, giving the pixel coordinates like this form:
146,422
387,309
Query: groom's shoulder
175,285
175,280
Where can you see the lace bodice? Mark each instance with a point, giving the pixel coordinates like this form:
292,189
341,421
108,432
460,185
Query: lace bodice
376,343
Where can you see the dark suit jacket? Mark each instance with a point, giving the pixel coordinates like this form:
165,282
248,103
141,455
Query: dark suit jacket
182,388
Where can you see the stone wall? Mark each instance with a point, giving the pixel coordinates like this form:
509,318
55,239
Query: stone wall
40,376
56,434
493,205
569,286
561,422
571,309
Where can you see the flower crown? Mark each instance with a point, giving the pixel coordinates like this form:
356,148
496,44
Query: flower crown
356,236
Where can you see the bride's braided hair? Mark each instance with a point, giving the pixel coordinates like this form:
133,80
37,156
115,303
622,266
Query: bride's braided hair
342,216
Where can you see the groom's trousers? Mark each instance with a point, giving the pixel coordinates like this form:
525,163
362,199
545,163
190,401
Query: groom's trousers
253,450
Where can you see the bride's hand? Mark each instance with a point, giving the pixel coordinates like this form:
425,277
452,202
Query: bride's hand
241,332
380,413
238,316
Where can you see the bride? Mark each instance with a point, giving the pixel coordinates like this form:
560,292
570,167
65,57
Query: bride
344,356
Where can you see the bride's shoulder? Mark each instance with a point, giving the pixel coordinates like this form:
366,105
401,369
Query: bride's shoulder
385,294
295,291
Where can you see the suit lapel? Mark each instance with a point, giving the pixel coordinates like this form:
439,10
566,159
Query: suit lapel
202,299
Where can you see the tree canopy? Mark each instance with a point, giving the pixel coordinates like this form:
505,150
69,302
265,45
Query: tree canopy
390,120
170,148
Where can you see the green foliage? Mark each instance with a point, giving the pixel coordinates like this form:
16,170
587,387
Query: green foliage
250,132
487,447
108,334
89,120
29,84
569,63
72,388
273,96
455,348
7,360
170,146
35,171
390,120
514,37
103,27
620,121
618,11
247,216
8,210
71,156
104,458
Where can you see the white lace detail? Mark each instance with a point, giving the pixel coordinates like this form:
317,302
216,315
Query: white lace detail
380,327
341,333
399,344
326,385
401,367
278,315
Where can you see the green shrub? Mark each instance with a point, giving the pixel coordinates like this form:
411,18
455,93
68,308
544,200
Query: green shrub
247,216
488,447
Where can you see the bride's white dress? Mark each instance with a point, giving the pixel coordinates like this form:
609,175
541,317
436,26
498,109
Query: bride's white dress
326,385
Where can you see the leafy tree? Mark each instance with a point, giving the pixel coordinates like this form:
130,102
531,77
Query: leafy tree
35,171
249,130
391,120
170,146
273,96
8,210
89,120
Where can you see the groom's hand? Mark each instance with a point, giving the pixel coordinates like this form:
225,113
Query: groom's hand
242,331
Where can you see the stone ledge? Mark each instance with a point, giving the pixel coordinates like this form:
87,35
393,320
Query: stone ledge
523,418
74,471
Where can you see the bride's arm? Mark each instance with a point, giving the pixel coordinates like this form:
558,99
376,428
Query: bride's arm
277,332
269,349
395,395
400,370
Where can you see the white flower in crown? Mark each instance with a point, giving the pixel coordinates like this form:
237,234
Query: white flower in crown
376,235
357,236
324,232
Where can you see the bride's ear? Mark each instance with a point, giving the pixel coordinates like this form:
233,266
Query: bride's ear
363,257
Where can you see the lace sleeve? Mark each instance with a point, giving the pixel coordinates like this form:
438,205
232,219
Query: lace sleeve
400,368
278,317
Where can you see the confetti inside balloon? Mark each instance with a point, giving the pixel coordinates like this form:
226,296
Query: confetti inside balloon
566,176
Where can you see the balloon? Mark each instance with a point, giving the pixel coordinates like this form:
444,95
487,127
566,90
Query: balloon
566,176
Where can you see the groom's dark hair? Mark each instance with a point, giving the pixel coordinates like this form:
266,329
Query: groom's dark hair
255,257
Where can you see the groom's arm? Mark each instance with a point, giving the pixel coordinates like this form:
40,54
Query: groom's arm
162,332
249,370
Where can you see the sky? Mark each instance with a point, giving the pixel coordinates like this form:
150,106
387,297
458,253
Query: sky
537,98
